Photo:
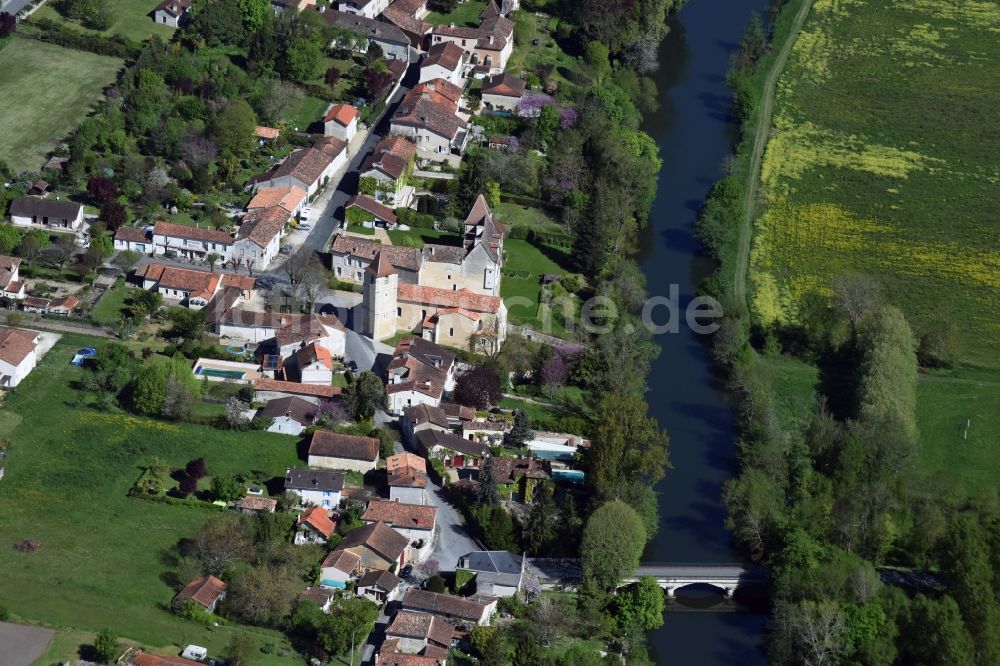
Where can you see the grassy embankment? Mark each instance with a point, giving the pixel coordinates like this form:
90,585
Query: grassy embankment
49,91
129,18
881,160
105,558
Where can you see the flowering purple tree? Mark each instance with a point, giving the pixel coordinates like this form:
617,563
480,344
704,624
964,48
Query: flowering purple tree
332,411
531,104
567,118
555,372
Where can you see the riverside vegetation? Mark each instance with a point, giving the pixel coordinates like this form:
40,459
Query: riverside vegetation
872,300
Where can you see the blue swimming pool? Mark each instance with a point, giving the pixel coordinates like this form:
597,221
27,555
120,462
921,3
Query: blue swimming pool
573,475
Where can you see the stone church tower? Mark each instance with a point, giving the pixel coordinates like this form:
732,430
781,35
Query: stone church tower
381,282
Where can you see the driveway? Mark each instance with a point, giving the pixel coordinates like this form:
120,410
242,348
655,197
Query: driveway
21,645
453,541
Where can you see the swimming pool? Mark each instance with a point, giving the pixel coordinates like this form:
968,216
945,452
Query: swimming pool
572,475
228,374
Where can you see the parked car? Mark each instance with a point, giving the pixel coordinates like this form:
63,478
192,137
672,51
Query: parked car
304,226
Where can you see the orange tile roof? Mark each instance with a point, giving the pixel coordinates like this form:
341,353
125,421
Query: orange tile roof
314,352
288,198
339,445
141,658
205,590
162,228
368,203
447,298
16,344
407,459
266,132
294,387
317,518
342,113
397,514
252,503
342,560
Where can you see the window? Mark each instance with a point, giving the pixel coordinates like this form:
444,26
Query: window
399,312
338,271
451,332
423,314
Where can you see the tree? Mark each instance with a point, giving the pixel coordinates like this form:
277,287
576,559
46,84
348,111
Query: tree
856,294
29,248
492,194
435,584
187,324
304,59
377,79
106,646
520,432
818,630
548,123
261,595
233,128
127,260
113,214
541,527
62,250
640,606
93,258
10,237
196,468
255,13
967,564
487,493
479,388
102,189
7,24
332,76
236,413
597,59
145,303
935,634
240,651
626,445
366,396
227,488
188,486
612,545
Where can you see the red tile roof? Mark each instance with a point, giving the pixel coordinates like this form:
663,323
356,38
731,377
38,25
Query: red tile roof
205,590
411,624
252,503
131,234
141,658
403,460
266,132
406,258
305,165
318,519
377,537
380,267
343,114
162,228
338,445
446,54
314,352
397,514
448,298
368,203
278,386
342,560
505,84
288,198
16,344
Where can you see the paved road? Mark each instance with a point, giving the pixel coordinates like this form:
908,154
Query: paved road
453,540
21,645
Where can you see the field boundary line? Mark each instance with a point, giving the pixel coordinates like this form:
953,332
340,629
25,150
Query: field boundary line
761,135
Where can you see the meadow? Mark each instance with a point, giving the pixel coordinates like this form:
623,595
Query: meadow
54,88
129,18
106,559
882,160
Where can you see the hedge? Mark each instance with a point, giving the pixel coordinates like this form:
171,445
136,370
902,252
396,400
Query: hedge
47,30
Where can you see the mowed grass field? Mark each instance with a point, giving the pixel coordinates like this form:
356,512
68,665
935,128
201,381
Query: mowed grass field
49,90
105,559
883,160
130,18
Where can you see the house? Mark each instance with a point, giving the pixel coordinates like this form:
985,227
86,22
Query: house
498,573
270,389
265,134
341,121
451,449
54,306
38,188
136,657
290,199
416,522
380,586
488,47
339,567
422,417
133,240
289,416
414,632
11,286
385,173
389,657
429,116
458,414
283,333
172,12
419,372
258,239
206,591
320,596
296,6
394,43
487,432
461,318
318,487
407,478
446,61
379,547
177,240
517,477
460,610
334,450
367,8
193,288
503,91
50,213
254,504
408,15
314,365
371,212
314,526
305,168
350,256
18,355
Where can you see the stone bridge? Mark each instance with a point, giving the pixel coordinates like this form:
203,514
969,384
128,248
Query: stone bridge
670,575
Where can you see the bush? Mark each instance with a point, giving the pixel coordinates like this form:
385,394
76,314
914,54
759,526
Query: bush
412,218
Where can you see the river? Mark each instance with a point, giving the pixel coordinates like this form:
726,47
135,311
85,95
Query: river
695,134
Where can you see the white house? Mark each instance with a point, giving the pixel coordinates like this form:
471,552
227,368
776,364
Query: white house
407,478
318,487
334,450
10,279
460,610
191,242
416,522
388,168
172,12
414,632
314,365
392,40
489,46
429,116
498,572
306,168
288,416
286,332
445,60
419,373
367,8
314,526
18,355
380,586
503,91
133,240
192,288
339,567
259,237
341,121
51,213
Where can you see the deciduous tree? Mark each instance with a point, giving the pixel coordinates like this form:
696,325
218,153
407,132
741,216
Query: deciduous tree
612,545
366,396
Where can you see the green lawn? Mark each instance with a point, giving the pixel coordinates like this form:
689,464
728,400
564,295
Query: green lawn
526,57
525,264
310,111
105,559
883,160
466,13
417,237
54,88
130,18
516,215
110,308
794,382
959,421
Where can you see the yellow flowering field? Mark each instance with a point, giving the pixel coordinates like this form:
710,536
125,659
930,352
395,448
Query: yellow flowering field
884,158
